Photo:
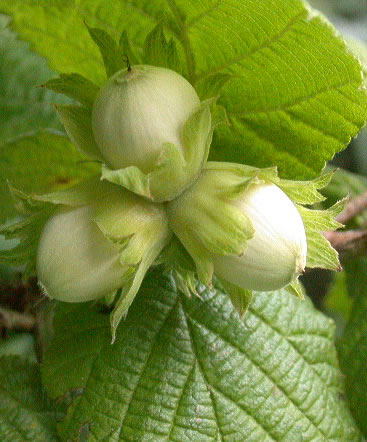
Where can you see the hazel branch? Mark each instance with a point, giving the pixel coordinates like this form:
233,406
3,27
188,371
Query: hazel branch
353,208
349,241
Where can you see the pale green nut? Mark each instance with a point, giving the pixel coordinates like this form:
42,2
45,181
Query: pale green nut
75,261
138,111
237,224
276,255
102,238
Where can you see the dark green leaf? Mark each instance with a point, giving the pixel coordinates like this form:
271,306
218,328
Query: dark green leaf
39,163
353,345
189,369
25,411
23,105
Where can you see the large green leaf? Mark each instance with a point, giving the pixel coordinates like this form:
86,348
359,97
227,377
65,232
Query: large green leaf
25,411
353,345
23,105
295,96
189,370
39,163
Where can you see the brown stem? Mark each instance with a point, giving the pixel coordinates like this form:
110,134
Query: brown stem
11,319
349,242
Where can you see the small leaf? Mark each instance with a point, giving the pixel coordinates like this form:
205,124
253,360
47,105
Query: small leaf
74,86
113,61
84,193
25,411
159,52
306,192
212,85
77,121
320,253
188,369
126,49
240,298
179,264
296,289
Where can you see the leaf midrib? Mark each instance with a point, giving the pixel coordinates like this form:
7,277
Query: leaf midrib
267,375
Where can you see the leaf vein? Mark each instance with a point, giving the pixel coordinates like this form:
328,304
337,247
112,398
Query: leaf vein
194,20
296,102
149,355
266,374
262,46
211,387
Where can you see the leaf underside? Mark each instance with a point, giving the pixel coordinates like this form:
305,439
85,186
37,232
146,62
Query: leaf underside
189,369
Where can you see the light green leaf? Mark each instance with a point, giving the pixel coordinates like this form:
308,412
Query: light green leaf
74,86
39,163
189,369
307,193
180,266
25,411
159,52
86,192
212,85
224,230
23,105
353,344
320,253
299,98
112,58
295,288
240,298
77,121
296,95
126,49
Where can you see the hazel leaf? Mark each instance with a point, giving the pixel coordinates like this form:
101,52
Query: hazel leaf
74,86
37,163
77,122
160,52
220,373
25,410
293,115
108,48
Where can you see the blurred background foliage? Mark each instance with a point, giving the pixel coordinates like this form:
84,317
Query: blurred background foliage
27,107
24,106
